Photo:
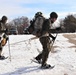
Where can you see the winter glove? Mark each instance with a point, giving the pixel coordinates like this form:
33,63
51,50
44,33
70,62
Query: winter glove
53,38
4,31
59,28
7,39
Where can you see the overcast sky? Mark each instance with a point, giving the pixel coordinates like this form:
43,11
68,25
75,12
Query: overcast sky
17,8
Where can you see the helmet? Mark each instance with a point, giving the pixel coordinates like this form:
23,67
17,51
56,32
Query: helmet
4,18
38,14
53,15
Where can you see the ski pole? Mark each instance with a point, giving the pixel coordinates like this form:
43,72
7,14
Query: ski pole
54,41
9,49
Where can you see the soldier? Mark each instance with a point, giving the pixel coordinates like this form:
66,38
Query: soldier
44,37
3,36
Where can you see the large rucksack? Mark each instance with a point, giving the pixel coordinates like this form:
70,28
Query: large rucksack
36,24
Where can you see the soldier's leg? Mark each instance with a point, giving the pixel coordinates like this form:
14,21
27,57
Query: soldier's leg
0,51
39,57
1,57
46,49
0,46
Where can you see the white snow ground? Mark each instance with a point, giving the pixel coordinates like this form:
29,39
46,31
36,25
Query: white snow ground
64,57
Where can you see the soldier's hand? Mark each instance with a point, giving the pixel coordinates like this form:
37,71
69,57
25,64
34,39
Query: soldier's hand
53,38
59,28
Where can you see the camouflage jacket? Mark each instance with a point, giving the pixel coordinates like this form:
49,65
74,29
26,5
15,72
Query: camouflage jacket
2,27
45,28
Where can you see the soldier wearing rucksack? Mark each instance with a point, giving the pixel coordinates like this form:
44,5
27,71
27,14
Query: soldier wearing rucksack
3,36
44,38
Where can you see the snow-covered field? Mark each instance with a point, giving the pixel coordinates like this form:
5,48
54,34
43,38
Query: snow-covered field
63,56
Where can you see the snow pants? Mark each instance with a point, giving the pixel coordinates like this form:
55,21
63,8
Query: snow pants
3,41
45,41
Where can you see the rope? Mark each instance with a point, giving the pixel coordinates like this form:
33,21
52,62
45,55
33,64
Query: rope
24,41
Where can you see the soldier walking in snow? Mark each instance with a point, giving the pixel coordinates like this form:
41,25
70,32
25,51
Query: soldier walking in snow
44,37
41,29
3,36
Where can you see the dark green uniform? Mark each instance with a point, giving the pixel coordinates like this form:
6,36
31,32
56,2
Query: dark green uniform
45,41
2,36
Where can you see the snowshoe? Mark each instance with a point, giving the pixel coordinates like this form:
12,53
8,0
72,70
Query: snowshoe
47,66
3,57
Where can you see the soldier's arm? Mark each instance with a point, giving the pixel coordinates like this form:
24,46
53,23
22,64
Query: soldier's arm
0,27
45,27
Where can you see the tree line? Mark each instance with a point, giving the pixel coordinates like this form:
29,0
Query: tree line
68,25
